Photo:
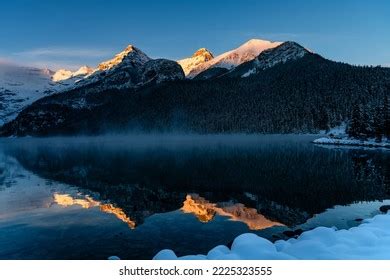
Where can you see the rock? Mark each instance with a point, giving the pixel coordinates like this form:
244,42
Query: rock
384,208
293,233
298,231
289,233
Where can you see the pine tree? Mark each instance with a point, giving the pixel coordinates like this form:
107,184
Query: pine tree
378,124
366,124
386,118
355,126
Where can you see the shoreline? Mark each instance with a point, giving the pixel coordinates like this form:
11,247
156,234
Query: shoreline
367,241
352,142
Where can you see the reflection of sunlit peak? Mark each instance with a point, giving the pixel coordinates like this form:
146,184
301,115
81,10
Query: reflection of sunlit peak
249,216
205,211
65,200
118,212
200,207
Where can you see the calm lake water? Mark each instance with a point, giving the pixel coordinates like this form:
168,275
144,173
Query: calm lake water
132,196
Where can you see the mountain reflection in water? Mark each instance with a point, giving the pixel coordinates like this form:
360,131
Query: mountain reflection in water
205,212
87,202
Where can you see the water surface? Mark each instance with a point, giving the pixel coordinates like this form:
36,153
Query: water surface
132,196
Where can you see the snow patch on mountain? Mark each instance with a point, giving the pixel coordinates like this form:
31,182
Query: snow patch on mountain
246,52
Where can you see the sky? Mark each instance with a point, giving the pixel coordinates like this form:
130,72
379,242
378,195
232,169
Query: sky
71,33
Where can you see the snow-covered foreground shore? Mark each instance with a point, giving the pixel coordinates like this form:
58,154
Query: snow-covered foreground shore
351,142
369,240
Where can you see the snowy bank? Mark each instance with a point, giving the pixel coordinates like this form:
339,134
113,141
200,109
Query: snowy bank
369,240
351,142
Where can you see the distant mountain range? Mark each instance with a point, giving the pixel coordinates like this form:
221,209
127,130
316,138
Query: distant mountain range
20,86
259,87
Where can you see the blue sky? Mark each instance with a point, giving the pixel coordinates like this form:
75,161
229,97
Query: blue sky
71,33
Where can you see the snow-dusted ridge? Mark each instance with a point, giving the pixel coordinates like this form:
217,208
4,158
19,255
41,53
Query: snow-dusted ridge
369,240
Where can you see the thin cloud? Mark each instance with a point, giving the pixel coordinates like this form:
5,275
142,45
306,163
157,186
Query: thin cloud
64,52
55,65
4,60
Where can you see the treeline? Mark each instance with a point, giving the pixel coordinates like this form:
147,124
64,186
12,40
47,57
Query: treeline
369,122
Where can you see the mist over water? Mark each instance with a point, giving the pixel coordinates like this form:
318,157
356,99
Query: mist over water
133,195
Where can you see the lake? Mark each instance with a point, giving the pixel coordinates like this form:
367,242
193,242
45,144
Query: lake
134,195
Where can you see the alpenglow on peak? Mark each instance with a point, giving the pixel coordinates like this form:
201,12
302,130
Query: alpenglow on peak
134,54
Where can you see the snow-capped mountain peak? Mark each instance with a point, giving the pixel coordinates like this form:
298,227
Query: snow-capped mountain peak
203,52
246,52
64,74
130,53
83,71
199,57
129,69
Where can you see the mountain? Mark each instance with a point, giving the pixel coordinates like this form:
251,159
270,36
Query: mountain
130,55
246,52
20,86
130,68
286,89
199,57
281,54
